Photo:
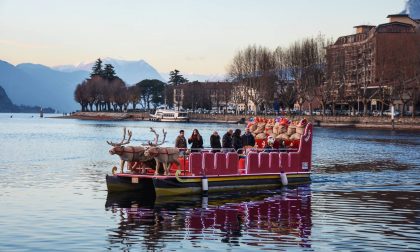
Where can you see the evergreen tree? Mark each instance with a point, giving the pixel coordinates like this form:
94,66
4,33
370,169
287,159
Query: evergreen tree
109,72
151,92
175,78
97,68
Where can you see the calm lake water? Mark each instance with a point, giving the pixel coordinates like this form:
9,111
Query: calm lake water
365,195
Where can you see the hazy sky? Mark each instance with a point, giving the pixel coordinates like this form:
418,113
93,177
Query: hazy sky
194,36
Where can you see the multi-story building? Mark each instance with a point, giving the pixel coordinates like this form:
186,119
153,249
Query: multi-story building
367,69
219,97
204,95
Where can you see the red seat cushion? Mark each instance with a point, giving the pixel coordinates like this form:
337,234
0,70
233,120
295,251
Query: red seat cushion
232,161
263,162
208,164
252,163
284,162
274,162
196,164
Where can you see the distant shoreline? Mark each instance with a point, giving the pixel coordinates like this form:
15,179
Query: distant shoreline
401,123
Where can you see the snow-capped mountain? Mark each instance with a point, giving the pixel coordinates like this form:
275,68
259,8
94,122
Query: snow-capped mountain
131,71
198,77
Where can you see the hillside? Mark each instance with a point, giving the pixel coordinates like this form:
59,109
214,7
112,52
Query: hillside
131,71
7,106
39,85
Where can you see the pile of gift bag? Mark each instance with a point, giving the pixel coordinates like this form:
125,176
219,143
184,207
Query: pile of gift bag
278,132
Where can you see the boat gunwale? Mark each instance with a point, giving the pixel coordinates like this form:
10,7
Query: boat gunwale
207,176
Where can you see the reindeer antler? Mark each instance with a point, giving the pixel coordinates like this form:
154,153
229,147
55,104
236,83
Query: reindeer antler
122,141
164,136
155,140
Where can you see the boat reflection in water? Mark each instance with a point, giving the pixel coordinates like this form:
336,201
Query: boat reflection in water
269,219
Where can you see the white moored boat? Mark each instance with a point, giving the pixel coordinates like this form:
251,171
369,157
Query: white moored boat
170,115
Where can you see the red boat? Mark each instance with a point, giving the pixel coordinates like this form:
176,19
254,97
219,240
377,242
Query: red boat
207,172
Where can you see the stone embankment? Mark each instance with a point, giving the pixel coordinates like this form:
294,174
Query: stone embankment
400,123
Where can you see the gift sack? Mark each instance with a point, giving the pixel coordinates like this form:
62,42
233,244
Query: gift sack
291,130
283,137
260,136
295,136
276,129
282,129
253,127
300,129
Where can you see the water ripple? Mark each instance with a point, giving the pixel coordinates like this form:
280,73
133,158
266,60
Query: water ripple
365,195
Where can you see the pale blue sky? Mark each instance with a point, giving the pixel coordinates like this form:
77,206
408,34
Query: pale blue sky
194,36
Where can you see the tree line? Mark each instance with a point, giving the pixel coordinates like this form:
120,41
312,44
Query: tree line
303,72
300,73
105,91
285,75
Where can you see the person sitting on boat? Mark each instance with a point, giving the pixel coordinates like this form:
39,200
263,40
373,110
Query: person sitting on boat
237,141
181,143
268,147
248,140
227,141
215,142
196,141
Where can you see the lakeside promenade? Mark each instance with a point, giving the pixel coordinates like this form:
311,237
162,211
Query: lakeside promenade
370,122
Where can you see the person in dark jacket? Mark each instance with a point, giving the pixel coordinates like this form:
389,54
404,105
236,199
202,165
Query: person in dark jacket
248,139
215,142
181,142
237,140
196,141
227,141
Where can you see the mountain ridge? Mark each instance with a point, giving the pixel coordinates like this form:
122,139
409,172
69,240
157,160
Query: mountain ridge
7,106
39,85
131,71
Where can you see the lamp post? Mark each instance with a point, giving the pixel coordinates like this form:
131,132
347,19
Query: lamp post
392,116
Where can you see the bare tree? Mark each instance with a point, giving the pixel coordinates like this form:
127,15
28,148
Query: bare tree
296,66
336,76
81,95
286,88
134,95
252,69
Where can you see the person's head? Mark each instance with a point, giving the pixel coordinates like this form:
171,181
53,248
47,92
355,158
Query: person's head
181,132
270,141
237,132
195,132
215,133
230,131
247,130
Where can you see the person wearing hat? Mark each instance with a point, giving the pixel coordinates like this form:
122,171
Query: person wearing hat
215,142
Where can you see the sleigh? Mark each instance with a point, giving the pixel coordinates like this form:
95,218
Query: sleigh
212,172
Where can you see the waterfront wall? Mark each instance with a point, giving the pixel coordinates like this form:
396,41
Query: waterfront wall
405,123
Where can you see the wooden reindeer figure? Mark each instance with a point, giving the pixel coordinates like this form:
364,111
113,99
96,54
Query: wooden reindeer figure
130,154
164,155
